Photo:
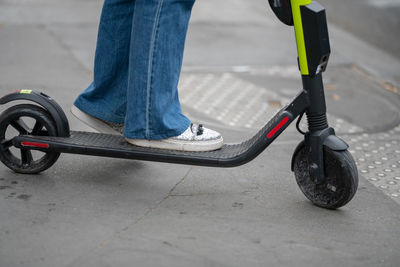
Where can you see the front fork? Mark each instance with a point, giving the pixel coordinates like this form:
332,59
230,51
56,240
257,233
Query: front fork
313,46
319,133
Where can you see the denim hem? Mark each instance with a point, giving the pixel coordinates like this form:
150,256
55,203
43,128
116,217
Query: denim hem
158,136
86,107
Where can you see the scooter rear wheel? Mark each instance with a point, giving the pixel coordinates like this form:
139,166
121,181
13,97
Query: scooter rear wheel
341,178
26,119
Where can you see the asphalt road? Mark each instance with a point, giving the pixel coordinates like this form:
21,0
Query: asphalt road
375,21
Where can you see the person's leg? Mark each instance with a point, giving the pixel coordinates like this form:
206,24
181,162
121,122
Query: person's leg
157,43
105,98
142,87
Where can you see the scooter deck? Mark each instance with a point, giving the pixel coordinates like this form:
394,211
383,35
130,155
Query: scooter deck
107,145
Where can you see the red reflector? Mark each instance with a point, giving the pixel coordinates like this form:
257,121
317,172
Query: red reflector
32,144
278,127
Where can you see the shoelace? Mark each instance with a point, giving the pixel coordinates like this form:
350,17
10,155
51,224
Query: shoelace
197,129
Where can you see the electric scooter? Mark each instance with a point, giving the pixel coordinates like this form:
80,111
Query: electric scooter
324,169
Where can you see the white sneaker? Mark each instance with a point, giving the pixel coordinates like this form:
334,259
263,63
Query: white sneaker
97,124
195,138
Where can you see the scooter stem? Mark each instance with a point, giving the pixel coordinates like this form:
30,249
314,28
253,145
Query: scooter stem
298,29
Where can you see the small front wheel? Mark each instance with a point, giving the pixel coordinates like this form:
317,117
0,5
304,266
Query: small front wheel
341,178
26,119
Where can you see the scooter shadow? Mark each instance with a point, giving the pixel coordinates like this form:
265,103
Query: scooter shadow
101,170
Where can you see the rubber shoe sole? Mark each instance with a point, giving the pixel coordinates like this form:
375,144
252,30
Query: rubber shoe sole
94,123
180,145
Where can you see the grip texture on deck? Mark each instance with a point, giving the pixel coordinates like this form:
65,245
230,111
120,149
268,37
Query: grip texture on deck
115,146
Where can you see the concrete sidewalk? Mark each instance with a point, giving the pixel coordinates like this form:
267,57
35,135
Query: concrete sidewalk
88,211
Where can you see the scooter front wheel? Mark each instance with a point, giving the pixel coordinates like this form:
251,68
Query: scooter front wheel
341,178
26,119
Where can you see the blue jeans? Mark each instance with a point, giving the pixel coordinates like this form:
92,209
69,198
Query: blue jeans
137,66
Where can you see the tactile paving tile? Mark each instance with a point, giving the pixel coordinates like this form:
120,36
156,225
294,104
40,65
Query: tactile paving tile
239,103
378,159
230,100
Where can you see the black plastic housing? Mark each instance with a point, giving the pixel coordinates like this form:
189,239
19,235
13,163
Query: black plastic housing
283,10
316,37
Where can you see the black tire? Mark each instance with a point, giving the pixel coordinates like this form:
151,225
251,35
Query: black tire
341,178
43,124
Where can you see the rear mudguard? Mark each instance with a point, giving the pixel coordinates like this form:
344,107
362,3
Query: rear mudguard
47,103
332,141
